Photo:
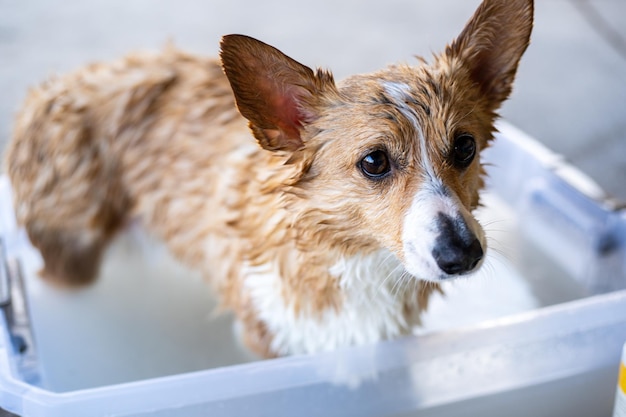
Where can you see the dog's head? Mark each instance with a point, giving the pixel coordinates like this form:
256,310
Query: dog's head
389,159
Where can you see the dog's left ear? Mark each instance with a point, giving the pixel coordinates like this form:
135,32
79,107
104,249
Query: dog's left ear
492,43
277,95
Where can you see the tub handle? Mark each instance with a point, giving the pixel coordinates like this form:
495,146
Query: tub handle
14,306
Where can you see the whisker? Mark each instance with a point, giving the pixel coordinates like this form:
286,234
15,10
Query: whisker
490,231
500,251
398,282
398,286
497,259
497,244
491,222
389,275
365,295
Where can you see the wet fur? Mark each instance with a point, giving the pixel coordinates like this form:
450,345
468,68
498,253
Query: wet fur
158,137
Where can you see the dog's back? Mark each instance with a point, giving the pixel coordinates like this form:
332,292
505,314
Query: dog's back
93,148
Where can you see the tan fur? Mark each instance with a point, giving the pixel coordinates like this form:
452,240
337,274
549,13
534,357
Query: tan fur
158,137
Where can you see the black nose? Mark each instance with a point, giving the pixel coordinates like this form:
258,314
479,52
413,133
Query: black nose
457,250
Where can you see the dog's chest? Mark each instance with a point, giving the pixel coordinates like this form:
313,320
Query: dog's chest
378,301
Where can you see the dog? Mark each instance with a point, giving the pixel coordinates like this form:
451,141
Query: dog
331,229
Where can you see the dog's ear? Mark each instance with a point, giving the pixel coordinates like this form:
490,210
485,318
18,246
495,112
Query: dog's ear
492,43
277,95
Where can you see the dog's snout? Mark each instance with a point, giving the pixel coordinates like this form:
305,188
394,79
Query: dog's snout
457,250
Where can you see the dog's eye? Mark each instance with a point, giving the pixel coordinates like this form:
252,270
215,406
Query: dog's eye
375,164
464,150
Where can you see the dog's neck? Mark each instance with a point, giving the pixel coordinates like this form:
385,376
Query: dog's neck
377,300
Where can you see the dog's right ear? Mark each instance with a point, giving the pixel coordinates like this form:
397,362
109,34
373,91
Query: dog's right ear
277,95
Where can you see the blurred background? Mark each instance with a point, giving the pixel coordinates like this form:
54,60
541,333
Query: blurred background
570,91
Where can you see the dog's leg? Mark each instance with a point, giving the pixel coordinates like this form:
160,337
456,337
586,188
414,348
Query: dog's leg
72,235
75,231
66,186
71,231
67,260
252,334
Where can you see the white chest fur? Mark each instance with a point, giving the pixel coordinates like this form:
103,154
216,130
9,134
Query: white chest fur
374,289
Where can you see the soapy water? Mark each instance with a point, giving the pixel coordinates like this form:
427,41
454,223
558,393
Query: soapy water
148,316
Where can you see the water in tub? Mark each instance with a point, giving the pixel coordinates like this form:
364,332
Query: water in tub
148,316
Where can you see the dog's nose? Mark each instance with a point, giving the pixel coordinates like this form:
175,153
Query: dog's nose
454,260
457,250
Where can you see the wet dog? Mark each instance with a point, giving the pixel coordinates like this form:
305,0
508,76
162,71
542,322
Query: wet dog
322,213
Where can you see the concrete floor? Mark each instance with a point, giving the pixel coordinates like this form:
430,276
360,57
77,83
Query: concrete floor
570,91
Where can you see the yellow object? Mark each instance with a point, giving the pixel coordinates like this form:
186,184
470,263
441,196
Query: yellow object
620,396
621,382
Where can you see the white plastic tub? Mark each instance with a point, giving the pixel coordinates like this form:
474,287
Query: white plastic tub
538,333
